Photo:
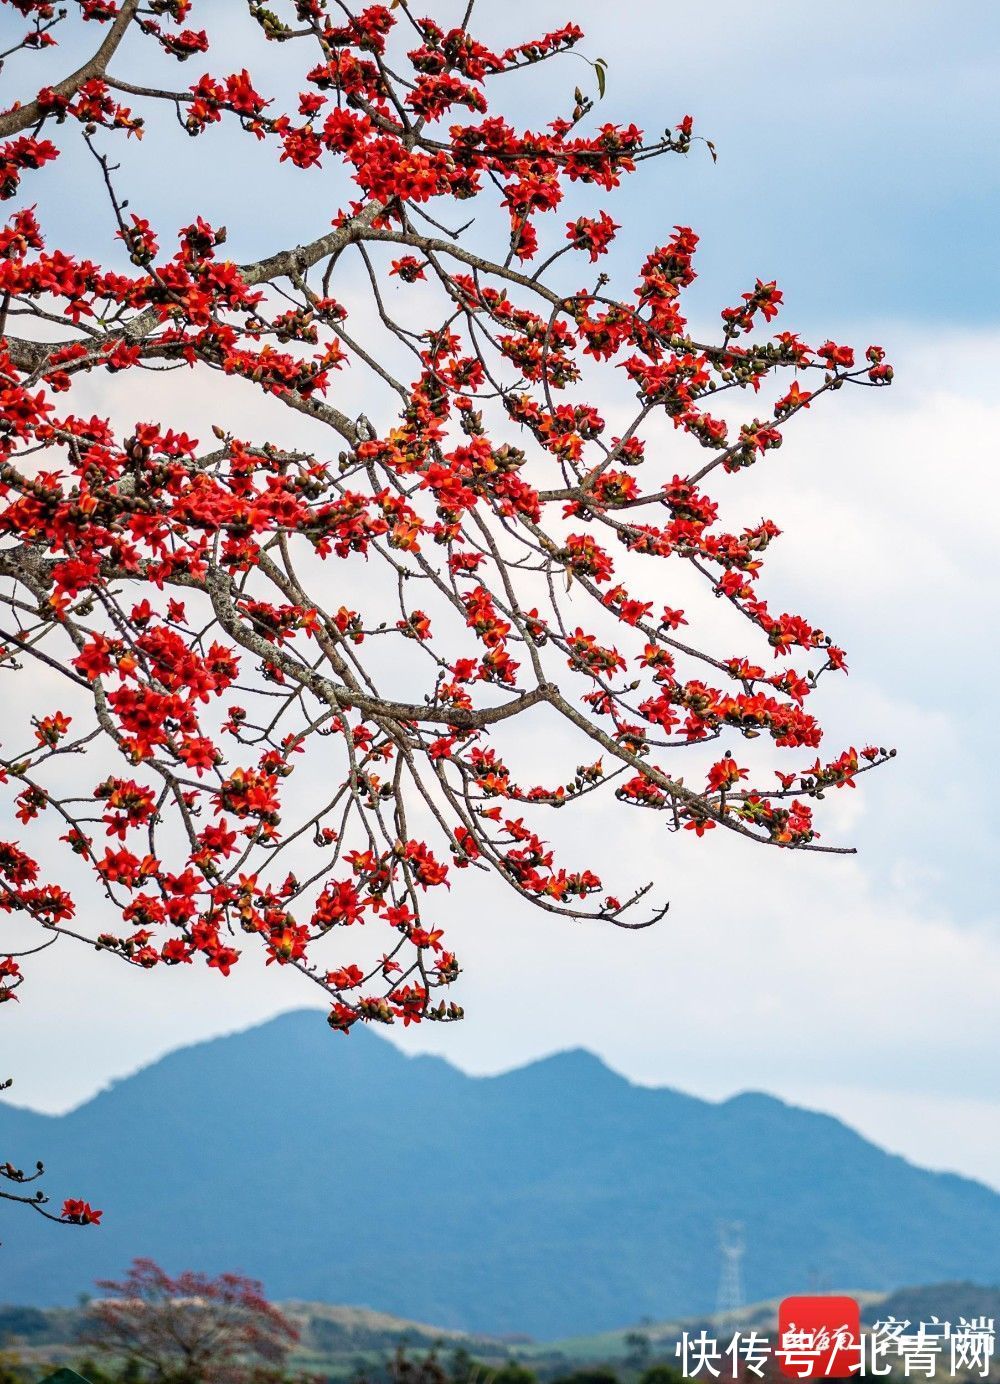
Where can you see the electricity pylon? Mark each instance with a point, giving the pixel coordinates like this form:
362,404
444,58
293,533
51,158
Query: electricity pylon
732,1246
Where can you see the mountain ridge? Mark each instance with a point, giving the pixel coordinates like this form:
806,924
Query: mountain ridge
575,1053
549,1199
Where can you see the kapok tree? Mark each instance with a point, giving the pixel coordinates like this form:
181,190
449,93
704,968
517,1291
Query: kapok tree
24,1189
280,678
192,1327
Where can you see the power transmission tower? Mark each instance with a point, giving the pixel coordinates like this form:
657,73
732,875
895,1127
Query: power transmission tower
732,1245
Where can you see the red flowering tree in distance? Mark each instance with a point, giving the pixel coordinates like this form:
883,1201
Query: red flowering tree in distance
278,689
191,1327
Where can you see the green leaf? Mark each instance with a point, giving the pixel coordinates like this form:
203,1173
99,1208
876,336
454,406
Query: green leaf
600,67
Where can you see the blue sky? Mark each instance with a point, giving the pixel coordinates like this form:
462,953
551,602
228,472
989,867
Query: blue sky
857,165
857,148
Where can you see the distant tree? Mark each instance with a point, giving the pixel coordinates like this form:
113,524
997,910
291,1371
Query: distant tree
639,1351
589,1374
417,1369
125,1372
462,1368
463,1365
513,1372
192,1328
661,1373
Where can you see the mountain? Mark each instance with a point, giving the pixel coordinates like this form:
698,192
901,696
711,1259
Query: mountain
557,1199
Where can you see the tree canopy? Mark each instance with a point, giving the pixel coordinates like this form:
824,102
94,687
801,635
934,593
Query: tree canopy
273,684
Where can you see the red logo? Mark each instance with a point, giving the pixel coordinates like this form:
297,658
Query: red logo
819,1338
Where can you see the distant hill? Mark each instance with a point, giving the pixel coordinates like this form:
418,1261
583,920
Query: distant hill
335,1340
947,1301
556,1200
339,1342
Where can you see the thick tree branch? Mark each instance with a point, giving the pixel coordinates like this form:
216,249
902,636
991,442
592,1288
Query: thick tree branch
23,117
